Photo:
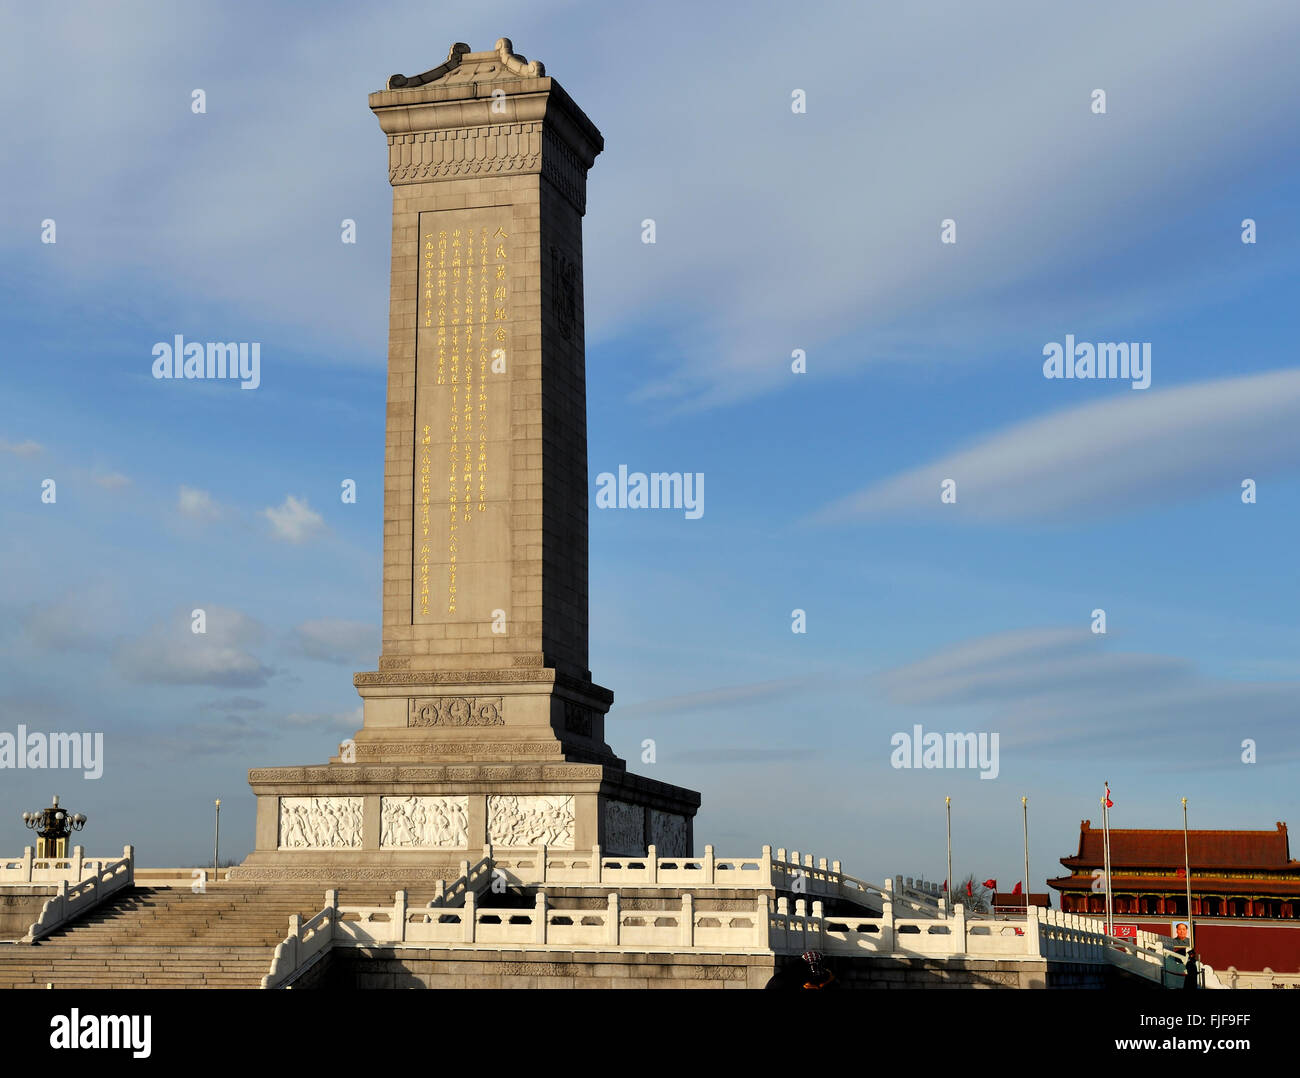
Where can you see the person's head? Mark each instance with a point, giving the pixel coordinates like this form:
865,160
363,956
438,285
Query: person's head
1180,930
814,960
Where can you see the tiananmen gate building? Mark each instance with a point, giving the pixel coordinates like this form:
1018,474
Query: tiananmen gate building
1245,890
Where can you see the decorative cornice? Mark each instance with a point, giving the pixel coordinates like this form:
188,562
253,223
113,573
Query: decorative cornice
448,153
536,675
351,776
459,49
505,52
518,65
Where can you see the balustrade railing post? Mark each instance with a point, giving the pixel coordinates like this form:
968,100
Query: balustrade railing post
295,933
28,857
652,862
128,854
539,918
78,862
1033,931
399,914
762,923
686,923
764,868
959,928
820,927
888,931
332,905
613,919
469,919
596,867
709,867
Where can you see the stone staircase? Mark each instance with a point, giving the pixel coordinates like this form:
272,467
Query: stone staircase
160,937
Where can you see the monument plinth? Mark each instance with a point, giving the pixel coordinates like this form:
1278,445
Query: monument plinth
482,724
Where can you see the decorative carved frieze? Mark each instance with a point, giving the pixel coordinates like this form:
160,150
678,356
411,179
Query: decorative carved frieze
320,823
454,748
542,969
539,675
489,150
424,822
563,168
342,873
455,711
531,821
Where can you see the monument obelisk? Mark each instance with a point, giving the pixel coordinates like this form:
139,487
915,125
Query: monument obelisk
482,724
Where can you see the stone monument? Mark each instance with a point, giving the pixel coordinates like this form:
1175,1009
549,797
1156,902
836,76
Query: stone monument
482,724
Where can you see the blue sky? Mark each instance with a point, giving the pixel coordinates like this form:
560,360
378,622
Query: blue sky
775,231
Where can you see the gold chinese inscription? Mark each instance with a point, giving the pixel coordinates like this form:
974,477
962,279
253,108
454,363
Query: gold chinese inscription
462,342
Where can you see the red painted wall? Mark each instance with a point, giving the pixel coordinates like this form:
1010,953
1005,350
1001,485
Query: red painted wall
1248,946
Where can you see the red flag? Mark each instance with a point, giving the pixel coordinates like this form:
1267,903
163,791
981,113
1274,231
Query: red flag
945,885
1109,803
1016,890
969,892
992,885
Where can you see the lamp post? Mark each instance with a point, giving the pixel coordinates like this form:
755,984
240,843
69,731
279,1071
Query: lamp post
216,842
53,826
1024,804
948,897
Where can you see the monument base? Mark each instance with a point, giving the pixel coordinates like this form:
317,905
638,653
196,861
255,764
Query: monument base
418,823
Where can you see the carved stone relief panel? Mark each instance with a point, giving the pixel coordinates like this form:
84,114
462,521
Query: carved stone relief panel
531,821
668,833
320,823
624,829
424,823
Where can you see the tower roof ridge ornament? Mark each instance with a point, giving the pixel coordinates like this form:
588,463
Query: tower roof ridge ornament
503,54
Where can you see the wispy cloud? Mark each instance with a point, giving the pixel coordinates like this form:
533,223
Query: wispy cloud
1055,689
112,481
21,449
294,521
195,504
710,699
335,640
740,756
327,719
171,653
1128,452
80,620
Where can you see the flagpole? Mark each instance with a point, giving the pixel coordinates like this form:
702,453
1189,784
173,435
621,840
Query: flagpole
1105,832
948,897
1187,871
1024,804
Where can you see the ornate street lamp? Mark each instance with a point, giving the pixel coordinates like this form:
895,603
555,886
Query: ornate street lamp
53,826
